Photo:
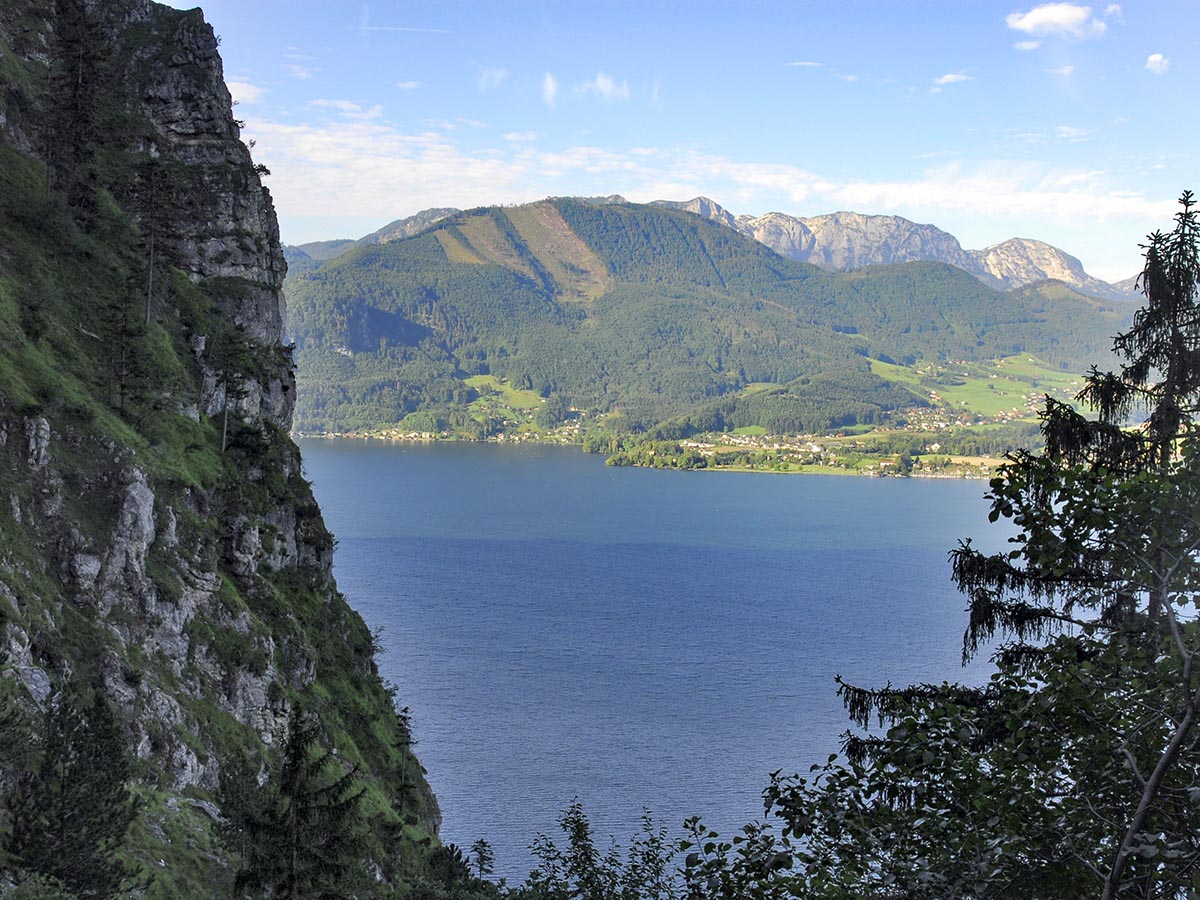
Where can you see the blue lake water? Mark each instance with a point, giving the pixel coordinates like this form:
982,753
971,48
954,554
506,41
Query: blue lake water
636,639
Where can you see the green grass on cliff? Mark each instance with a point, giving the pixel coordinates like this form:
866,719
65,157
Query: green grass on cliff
74,349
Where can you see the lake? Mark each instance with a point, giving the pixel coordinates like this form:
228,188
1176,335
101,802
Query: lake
636,639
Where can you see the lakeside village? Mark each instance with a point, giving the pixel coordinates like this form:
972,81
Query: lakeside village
943,440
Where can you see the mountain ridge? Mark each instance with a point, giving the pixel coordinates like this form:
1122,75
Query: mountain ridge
838,241
642,313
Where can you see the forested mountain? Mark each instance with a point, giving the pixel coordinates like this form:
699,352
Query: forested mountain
839,241
646,314
169,622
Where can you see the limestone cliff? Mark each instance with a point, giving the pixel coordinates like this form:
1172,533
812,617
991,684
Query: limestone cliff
157,536
842,241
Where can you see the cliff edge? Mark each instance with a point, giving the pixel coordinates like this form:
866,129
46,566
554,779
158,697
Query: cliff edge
159,544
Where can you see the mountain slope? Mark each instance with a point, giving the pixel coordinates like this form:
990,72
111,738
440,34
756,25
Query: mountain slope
160,549
847,240
642,314
1020,261
839,241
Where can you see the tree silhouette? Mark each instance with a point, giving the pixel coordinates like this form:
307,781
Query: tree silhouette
69,818
300,832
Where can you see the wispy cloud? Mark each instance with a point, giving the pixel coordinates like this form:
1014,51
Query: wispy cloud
948,78
366,27
1027,45
1067,20
408,85
348,108
605,87
244,91
1064,71
806,64
1073,134
299,71
549,90
369,169
951,78
490,79
1158,64
456,124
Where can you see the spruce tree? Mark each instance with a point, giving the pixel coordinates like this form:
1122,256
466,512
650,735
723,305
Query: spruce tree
301,830
69,818
1074,771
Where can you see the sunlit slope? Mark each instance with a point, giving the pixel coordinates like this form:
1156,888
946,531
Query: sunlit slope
645,313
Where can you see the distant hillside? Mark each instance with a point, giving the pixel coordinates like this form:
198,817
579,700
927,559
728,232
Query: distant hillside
839,241
644,314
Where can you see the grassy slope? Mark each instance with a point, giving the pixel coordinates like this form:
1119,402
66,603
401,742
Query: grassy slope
648,314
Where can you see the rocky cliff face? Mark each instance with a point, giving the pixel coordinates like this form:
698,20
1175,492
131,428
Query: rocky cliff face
842,241
1020,261
157,537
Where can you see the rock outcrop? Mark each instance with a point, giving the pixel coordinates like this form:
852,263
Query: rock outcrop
842,241
158,541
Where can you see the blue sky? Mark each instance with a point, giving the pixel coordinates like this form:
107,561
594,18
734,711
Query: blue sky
1062,122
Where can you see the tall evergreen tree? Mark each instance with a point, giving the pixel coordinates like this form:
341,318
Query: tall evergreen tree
69,818
301,831
72,132
1073,772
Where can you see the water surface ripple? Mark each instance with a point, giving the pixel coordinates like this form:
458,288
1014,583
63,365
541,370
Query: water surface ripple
631,638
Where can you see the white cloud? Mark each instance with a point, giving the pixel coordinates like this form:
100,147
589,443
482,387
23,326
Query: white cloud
408,85
521,137
244,91
1061,70
806,64
1157,63
1072,134
366,28
605,87
1113,11
489,79
1027,45
456,124
348,108
301,72
951,78
1057,19
1004,189
370,170
549,90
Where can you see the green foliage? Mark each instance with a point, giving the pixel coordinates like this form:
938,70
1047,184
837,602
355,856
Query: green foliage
678,316
578,870
300,835
69,818
39,887
1073,771
115,347
483,858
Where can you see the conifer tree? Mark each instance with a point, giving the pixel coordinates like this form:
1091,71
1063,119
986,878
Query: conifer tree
69,818
301,830
72,132
1073,772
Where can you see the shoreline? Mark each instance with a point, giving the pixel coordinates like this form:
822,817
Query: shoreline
426,438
